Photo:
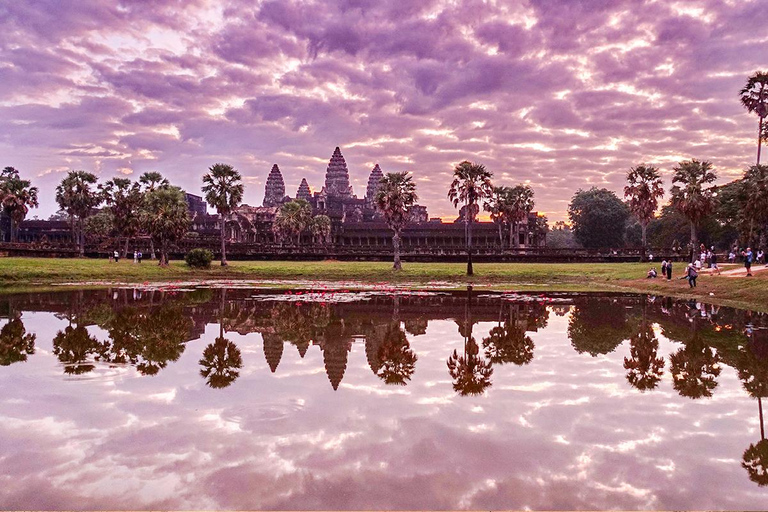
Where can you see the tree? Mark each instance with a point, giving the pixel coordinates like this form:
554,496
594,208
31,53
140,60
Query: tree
644,367
101,225
15,343
221,363
470,372
124,200
224,191
150,181
754,212
754,97
17,197
598,326
292,219
471,185
520,204
495,205
165,214
320,227
643,190
394,198
598,218
689,195
78,196
397,361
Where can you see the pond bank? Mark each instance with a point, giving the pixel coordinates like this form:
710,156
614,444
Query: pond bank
20,274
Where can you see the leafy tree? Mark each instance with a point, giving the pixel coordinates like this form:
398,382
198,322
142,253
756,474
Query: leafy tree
15,343
598,218
150,181
754,97
690,195
755,210
470,372
166,217
560,236
644,367
320,227
520,204
508,343
643,191
471,186
695,367
124,200
221,363
397,361
598,326
78,196
495,205
101,225
17,196
74,347
394,198
292,219
224,191
755,461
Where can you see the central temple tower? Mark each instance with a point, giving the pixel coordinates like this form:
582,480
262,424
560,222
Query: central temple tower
337,177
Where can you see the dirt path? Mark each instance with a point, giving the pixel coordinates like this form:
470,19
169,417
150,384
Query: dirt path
739,271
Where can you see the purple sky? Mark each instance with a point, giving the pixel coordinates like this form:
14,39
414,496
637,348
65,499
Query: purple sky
559,94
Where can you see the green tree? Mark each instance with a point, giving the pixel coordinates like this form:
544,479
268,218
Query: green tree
470,372
223,190
292,219
396,359
166,216
124,200
150,181
520,204
690,194
78,196
471,186
496,206
598,218
394,198
320,227
17,196
644,367
755,208
74,347
754,97
643,191
101,225
598,326
221,363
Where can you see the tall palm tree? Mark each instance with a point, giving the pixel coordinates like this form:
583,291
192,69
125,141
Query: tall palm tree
320,227
124,200
77,195
394,198
17,197
689,195
224,191
644,189
150,181
471,185
520,204
754,97
496,206
755,208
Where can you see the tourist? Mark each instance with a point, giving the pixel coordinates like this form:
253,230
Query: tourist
135,256
652,273
669,270
116,255
713,261
140,256
748,260
664,268
691,274
731,257
698,265
760,256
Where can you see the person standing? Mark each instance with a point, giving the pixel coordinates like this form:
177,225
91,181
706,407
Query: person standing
713,262
669,270
748,260
691,274
135,256
140,255
116,255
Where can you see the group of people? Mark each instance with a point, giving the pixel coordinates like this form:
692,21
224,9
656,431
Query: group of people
709,258
137,256
691,272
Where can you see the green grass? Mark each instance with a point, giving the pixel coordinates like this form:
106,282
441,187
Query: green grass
27,273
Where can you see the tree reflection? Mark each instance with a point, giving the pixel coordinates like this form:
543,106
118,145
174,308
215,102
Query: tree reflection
221,363
644,368
695,367
471,374
397,360
15,343
598,326
755,461
74,347
508,342
752,366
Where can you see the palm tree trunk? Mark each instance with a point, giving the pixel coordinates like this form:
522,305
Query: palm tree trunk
125,248
759,139
762,425
223,243
643,228
13,230
81,236
470,270
694,242
501,237
152,247
396,245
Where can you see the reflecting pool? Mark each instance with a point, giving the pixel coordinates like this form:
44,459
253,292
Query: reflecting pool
207,398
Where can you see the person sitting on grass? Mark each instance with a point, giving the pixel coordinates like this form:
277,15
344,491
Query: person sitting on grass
652,273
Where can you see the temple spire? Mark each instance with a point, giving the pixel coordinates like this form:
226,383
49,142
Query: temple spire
274,188
303,192
337,176
373,184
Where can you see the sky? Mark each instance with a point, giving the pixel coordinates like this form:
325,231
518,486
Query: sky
558,94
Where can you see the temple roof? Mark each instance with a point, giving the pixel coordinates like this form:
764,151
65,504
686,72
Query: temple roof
274,188
373,183
337,176
303,192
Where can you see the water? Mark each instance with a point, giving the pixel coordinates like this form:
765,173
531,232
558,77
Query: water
249,399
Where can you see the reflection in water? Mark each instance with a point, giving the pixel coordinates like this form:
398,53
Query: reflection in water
520,357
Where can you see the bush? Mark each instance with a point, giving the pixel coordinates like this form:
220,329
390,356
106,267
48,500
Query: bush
199,258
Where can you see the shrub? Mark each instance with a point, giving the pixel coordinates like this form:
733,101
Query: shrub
199,258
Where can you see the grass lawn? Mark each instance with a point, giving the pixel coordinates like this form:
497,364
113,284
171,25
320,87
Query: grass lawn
17,274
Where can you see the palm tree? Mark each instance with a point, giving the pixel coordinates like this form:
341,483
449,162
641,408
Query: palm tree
166,216
150,181
690,197
471,185
495,205
292,219
644,189
470,372
17,197
394,198
754,97
124,200
224,191
520,204
15,343
320,227
755,208
77,195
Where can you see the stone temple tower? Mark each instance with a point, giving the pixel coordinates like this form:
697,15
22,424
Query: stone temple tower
373,184
337,177
303,192
274,189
